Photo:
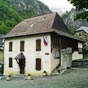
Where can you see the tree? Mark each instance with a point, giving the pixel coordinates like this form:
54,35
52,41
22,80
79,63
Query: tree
81,4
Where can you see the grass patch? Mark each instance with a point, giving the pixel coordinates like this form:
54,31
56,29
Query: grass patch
85,56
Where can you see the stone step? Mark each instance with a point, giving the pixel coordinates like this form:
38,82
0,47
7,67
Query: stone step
19,77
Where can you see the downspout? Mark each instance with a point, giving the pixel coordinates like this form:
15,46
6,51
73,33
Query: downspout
60,48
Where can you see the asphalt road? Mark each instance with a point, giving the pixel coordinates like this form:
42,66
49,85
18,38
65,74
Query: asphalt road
73,78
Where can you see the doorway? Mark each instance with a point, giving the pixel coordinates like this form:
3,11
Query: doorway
38,64
22,66
20,59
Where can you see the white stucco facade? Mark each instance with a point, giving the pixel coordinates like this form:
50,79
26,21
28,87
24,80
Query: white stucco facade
48,63
48,60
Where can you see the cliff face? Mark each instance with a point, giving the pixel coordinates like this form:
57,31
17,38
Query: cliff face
29,5
69,20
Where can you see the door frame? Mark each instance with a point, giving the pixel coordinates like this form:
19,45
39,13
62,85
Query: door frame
38,64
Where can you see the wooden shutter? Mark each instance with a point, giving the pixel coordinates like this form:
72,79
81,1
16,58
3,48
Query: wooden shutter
10,46
38,64
10,62
21,45
38,45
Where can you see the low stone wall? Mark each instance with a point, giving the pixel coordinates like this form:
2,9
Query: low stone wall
80,63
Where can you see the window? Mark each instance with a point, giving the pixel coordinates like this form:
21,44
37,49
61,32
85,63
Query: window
21,45
10,62
10,46
38,45
38,64
57,54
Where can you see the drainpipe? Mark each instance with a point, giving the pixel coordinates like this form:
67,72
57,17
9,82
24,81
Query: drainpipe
60,49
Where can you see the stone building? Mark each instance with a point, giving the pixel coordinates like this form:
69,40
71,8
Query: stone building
82,34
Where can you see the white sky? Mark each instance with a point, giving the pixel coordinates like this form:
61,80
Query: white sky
64,5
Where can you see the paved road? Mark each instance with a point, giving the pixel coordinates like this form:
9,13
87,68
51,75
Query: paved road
74,78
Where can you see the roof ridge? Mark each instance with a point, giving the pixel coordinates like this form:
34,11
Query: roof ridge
40,16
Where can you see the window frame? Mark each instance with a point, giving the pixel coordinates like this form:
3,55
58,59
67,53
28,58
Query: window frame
22,45
10,62
38,45
38,64
10,46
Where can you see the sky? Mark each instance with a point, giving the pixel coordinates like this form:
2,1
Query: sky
64,5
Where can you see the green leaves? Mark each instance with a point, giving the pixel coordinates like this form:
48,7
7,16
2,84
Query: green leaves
9,17
80,4
82,15
14,11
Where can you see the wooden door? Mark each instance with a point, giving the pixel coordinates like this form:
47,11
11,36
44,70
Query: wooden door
22,66
38,64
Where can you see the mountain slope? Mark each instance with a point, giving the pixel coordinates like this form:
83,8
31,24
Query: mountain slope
29,5
14,11
72,25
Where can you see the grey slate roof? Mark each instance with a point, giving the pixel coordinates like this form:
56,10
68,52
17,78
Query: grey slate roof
33,25
41,24
83,28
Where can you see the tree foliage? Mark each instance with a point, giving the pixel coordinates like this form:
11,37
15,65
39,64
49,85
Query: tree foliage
81,4
11,13
10,16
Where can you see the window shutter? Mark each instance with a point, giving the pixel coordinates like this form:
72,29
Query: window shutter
10,46
21,45
38,45
38,64
10,62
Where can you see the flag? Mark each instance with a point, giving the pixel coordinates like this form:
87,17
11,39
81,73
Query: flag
45,41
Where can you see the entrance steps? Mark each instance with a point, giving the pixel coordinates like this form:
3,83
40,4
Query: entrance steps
19,77
55,72
58,71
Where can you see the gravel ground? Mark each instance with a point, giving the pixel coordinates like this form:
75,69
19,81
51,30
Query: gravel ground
73,78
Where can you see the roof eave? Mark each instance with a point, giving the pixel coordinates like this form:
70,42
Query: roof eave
22,35
68,36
